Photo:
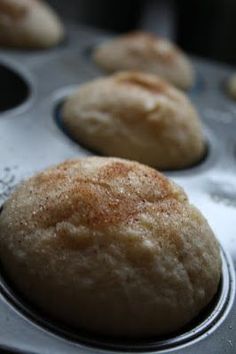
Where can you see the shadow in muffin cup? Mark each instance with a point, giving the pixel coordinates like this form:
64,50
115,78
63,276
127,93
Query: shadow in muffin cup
14,88
192,166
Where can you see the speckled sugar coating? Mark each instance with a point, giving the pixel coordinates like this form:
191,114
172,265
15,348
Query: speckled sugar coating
111,246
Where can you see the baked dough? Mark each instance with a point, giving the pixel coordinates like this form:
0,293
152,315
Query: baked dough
29,24
136,116
231,86
146,52
110,246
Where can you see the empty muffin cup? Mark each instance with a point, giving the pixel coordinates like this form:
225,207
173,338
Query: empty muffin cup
14,88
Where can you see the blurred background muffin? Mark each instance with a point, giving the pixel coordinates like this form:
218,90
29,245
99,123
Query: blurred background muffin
145,52
204,28
29,24
137,116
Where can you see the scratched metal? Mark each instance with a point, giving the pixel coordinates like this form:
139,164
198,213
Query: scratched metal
31,138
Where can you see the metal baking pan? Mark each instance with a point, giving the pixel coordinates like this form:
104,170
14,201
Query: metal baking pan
32,138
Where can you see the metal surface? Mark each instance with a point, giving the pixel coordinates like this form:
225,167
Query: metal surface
31,139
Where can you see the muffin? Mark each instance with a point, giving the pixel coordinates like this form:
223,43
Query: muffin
110,246
231,86
146,52
29,24
136,116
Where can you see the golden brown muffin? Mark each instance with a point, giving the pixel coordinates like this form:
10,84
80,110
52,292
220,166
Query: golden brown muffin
136,116
110,246
29,24
146,52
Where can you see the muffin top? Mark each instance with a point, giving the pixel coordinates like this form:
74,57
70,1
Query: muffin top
111,246
29,24
145,52
137,116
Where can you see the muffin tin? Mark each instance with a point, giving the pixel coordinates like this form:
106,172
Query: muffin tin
32,138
